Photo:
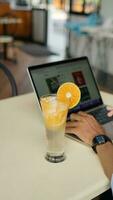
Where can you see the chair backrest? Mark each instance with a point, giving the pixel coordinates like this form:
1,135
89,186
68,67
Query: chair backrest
11,79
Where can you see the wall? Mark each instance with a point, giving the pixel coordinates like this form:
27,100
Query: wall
107,8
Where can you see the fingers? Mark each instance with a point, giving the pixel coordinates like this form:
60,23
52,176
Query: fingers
110,113
76,117
84,114
71,124
109,108
70,130
80,116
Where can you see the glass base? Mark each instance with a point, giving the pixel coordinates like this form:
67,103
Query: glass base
55,159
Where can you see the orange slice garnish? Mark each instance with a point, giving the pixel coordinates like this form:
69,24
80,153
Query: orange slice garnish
69,93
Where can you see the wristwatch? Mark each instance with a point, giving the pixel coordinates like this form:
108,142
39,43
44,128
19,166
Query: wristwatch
98,140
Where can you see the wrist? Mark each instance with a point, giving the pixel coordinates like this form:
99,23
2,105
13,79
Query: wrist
103,147
100,140
95,135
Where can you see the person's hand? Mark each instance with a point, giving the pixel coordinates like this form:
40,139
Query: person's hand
110,111
84,126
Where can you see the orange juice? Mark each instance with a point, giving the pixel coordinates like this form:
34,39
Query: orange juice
55,114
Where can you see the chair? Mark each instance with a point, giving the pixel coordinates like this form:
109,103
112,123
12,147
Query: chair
5,40
10,78
7,36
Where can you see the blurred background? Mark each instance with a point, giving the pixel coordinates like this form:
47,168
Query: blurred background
34,31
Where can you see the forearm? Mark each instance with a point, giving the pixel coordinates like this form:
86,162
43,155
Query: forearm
105,153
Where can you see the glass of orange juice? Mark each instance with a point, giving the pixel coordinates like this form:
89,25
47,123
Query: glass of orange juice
55,109
55,114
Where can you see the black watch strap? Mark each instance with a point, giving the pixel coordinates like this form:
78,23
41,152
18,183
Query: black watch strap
98,140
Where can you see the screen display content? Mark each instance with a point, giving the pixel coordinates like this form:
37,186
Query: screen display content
47,79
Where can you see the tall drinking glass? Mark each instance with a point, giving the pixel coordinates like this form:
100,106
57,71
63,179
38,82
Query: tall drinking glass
55,114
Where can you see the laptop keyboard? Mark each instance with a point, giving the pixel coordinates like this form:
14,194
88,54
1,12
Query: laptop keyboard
101,115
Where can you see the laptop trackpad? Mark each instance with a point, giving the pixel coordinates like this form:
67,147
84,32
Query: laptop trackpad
109,129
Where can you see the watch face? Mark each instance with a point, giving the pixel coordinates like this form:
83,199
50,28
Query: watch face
100,139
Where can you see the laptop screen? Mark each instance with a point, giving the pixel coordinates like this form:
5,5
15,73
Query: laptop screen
48,77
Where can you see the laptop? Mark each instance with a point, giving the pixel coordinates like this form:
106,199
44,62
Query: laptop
46,78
